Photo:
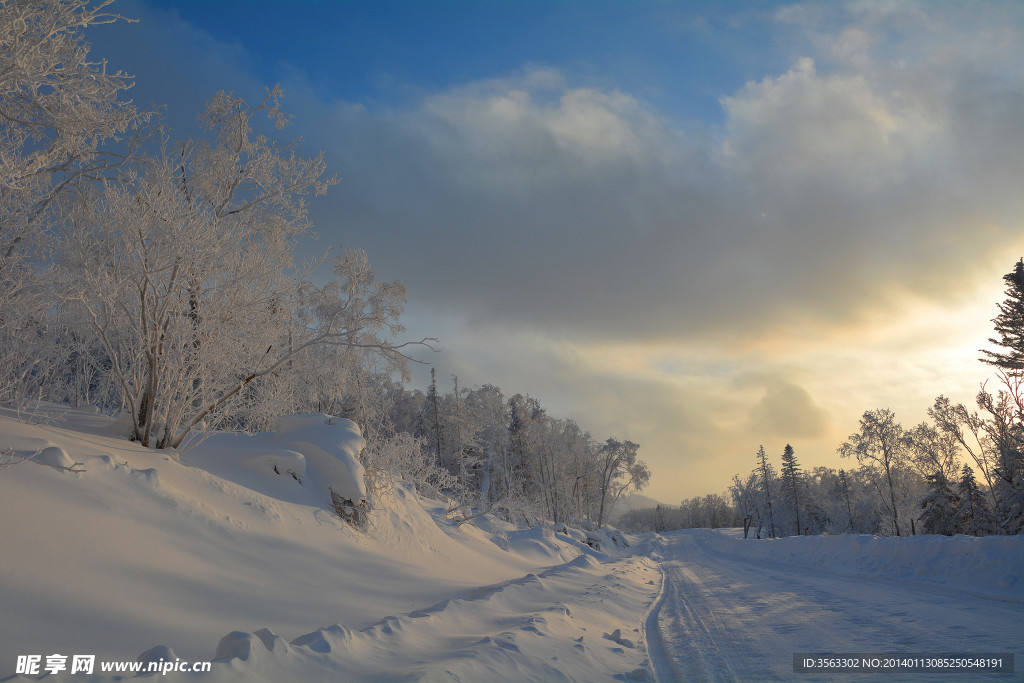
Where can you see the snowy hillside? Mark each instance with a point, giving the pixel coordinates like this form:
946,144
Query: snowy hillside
232,554
138,549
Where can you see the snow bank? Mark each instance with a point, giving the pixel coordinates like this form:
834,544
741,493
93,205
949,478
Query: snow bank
144,548
991,565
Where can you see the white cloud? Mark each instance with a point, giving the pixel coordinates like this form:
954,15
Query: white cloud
802,129
829,190
534,129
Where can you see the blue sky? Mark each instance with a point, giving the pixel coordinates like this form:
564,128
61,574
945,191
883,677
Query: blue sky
678,56
702,226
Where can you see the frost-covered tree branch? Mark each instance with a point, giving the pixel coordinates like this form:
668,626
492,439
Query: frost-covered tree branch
56,106
62,121
183,268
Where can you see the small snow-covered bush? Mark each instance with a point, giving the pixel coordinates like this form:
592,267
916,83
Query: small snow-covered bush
401,457
350,511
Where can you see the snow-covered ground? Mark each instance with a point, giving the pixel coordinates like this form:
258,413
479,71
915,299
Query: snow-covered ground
738,610
233,554
201,554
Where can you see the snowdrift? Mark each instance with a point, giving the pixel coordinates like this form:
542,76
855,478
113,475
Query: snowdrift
142,548
232,551
320,452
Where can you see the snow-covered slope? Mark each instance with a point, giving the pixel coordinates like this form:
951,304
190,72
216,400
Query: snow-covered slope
142,548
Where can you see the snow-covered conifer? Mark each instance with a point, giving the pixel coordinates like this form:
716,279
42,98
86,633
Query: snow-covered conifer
792,485
939,506
767,475
1009,324
974,517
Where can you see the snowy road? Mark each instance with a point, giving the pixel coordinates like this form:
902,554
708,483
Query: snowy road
724,616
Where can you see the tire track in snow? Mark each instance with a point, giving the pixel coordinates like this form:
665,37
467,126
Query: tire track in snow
703,643
735,618
662,667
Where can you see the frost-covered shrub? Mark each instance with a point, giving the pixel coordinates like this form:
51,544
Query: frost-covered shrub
350,511
402,457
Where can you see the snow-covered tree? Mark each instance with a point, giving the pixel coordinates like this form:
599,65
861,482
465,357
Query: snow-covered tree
767,480
971,433
56,105
620,470
843,491
462,452
486,405
183,269
1005,426
526,418
974,516
933,450
939,506
792,485
432,421
402,457
744,498
518,461
1009,325
881,443
57,109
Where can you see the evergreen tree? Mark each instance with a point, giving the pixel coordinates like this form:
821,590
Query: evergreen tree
1010,324
766,472
939,506
435,413
1007,408
974,516
792,482
844,491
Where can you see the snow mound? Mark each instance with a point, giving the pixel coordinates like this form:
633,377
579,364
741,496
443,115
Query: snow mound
331,446
55,457
541,626
317,452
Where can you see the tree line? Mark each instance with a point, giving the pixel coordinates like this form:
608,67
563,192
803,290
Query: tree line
960,472
487,452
